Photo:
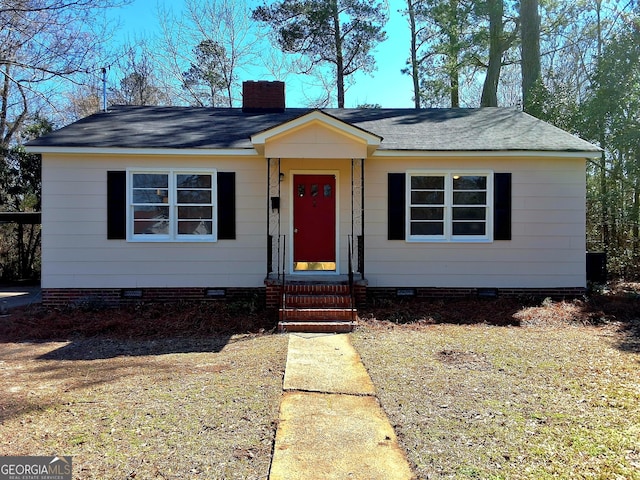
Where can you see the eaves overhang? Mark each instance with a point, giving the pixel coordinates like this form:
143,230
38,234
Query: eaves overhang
206,152
252,152
487,153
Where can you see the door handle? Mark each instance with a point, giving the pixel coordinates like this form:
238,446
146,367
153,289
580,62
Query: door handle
295,230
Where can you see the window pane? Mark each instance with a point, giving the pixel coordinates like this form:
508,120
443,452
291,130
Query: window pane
427,228
194,196
193,181
423,213
469,213
150,180
301,190
149,195
314,190
427,198
427,183
199,227
327,190
469,182
469,228
151,220
195,212
148,212
151,228
469,198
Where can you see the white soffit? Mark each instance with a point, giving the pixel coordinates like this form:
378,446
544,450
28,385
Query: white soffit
227,152
485,153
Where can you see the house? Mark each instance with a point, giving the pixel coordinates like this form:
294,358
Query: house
197,203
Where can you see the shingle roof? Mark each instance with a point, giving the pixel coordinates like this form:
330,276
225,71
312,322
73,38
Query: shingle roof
485,129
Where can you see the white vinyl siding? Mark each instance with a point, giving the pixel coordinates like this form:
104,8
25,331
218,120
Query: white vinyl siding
547,248
78,254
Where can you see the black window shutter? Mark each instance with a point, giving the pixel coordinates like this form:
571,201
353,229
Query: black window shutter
226,205
116,205
502,206
396,205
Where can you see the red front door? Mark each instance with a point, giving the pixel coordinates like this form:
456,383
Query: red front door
314,222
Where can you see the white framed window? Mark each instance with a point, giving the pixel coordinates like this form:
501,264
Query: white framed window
172,205
449,206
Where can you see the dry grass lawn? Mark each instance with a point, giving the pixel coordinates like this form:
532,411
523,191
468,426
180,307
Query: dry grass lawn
475,389
145,409
496,402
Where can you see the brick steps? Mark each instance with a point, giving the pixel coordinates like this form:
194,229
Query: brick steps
309,301
315,327
316,308
317,314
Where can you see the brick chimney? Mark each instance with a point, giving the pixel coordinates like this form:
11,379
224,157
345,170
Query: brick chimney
263,97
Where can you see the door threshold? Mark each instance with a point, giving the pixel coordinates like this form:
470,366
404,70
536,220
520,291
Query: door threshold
328,278
329,267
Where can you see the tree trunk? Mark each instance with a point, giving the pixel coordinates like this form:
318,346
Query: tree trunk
530,49
4,98
454,78
414,54
339,54
604,219
229,95
454,63
617,203
455,90
21,251
490,88
636,217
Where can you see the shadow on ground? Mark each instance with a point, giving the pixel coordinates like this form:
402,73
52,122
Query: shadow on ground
459,311
192,326
104,348
617,305
614,308
137,330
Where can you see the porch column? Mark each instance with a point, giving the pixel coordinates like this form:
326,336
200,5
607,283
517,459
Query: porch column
357,212
275,240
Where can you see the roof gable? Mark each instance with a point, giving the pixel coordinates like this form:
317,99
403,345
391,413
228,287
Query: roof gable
315,135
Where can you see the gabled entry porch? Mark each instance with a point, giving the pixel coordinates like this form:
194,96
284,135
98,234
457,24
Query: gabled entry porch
315,220
315,243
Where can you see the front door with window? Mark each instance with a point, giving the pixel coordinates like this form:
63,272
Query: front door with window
314,222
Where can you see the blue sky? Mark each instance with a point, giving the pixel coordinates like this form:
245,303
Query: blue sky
386,86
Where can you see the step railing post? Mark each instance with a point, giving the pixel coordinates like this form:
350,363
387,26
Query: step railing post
282,268
351,290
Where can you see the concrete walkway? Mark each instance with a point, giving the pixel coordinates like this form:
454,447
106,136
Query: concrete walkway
331,424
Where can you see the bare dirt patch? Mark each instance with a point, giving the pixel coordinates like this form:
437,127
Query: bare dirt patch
468,360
